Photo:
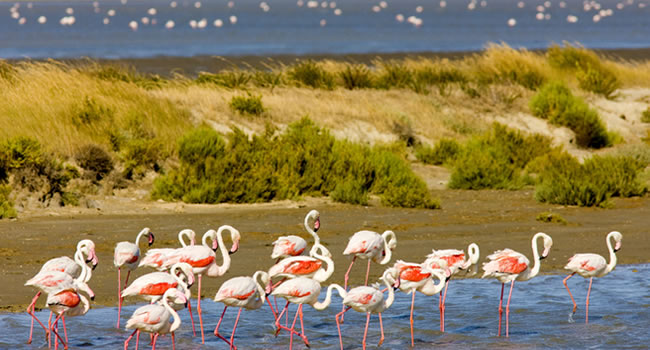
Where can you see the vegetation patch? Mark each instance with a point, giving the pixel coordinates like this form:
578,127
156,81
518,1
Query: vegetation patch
356,76
7,210
645,116
304,160
311,74
445,151
250,104
550,217
556,103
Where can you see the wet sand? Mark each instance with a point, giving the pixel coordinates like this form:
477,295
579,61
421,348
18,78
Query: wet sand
492,219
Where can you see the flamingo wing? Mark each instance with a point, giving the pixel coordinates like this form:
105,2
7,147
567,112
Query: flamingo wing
237,289
148,317
157,258
286,246
125,253
586,264
364,242
62,264
506,261
298,290
155,283
454,257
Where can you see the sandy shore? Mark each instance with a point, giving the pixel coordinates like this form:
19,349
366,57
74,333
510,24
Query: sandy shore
493,219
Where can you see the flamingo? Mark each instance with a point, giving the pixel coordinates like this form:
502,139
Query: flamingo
127,255
369,300
302,290
153,285
590,266
66,302
242,292
369,245
455,260
202,258
154,318
53,282
287,246
156,257
507,266
419,277
64,265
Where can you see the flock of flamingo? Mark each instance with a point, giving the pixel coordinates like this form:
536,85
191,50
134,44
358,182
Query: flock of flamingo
295,277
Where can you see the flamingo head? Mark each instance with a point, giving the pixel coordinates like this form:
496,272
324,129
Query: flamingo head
618,237
186,270
548,243
235,236
151,238
178,296
316,216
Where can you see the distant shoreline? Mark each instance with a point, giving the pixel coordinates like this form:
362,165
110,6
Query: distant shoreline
191,66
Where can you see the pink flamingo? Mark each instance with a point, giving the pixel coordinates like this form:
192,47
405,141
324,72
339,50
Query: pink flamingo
590,266
371,246
507,266
456,262
154,318
66,302
369,300
416,277
153,285
127,255
242,292
156,257
287,246
302,290
65,265
202,258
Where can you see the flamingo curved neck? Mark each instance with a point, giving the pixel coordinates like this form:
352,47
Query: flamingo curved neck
220,270
387,249
178,279
177,320
391,294
310,230
86,273
431,288
142,233
323,275
260,286
186,233
328,297
536,265
85,303
612,255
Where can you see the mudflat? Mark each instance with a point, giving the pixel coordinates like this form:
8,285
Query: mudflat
492,219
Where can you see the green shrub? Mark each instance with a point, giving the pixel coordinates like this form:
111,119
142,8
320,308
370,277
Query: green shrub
267,79
571,57
497,159
22,152
551,218
91,112
137,146
7,210
95,160
251,104
395,75
645,116
7,71
309,73
356,76
445,151
597,79
304,160
235,79
555,102
564,180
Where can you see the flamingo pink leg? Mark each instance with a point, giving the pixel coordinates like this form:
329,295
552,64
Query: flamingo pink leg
381,328
365,333
411,319
512,284
126,342
32,306
338,324
49,334
292,330
442,309
173,341
275,315
367,273
216,330
575,306
277,321
54,328
119,296
65,331
153,346
234,328
302,328
189,309
501,308
198,308
587,304
137,340
345,284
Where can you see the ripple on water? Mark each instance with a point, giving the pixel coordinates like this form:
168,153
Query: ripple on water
618,317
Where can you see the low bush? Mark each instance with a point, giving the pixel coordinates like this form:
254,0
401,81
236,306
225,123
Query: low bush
395,75
91,112
598,79
502,64
7,210
267,79
250,104
563,180
310,73
95,161
497,159
645,116
235,79
551,218
137,147
571,57
445,151
356,76
304,160
555,102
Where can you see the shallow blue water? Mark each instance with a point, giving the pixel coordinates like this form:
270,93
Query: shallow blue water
619,316
287,28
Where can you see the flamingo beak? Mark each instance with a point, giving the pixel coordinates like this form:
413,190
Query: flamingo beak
316,224
617,247
234,248
92,298
545,253
151,238
215,245
397,284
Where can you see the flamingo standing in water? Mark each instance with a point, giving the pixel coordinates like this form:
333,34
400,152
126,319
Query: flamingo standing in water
154,318
416,277
242,292
153,285
455,260
202,258
63,264
302,290
127,255
507,266
369,300
66,302
590,266
369,245
287,246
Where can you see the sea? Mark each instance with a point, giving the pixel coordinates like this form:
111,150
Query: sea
184,28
